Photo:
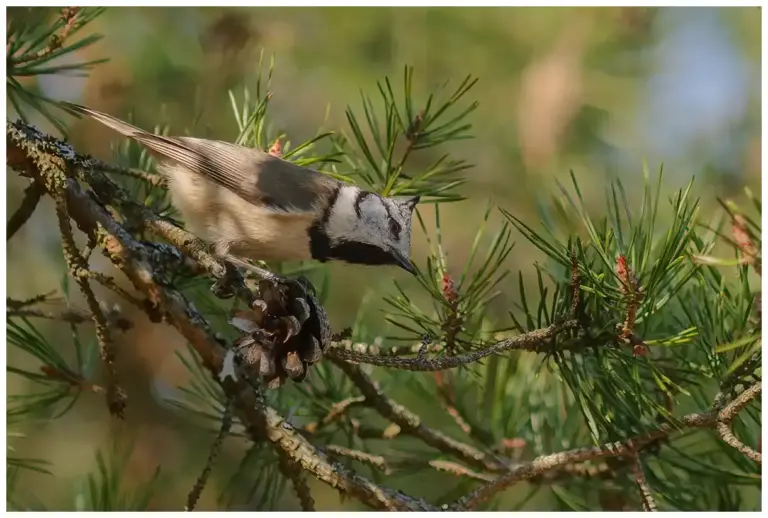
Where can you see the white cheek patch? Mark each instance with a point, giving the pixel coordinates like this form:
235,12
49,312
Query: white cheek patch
343,220
367,218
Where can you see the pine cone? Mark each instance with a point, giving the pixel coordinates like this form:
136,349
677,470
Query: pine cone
286,330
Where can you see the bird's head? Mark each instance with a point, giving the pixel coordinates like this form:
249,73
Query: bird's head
365,228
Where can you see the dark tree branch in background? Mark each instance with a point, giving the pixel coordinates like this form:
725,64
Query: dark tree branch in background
32,195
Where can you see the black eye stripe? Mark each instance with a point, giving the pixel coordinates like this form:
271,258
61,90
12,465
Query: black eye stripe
362,195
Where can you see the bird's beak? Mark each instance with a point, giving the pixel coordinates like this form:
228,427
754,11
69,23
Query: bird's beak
403,262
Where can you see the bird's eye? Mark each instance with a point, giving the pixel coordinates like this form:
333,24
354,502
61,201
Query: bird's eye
394,228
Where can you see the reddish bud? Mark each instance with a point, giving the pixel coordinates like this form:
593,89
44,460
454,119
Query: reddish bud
743,237
622,271
52,372
514,443
449,289
276,149
640,350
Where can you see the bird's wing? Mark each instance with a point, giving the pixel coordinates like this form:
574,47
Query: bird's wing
254,175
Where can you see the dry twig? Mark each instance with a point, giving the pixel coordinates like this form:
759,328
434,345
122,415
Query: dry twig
226,425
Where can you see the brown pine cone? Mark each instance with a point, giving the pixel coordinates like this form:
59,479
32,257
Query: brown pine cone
286,332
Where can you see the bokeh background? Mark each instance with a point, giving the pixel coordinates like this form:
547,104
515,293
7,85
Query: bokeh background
593,90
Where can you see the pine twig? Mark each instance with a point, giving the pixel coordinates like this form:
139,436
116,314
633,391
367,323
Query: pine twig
533,341
197,489
555,461
457,469
380,463
649,504
116,398
13,304
369,432
387,352
69,17
411,424
110,283
72,316
377,461
731,440
32,195
336,411
153,180
576,305
294,473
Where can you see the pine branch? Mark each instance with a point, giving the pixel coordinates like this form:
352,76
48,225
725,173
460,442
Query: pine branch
68,18
377,461
116,398
534,341
731,440
153,180
226,425
460,471
380,463
110,283
42,159
609,374
411,424
649,504
628,448
373,349
37,299
294,473
337,411
72,316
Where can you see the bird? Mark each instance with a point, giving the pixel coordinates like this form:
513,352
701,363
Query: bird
250,205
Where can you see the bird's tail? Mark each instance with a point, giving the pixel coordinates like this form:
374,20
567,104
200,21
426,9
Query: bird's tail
113,122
